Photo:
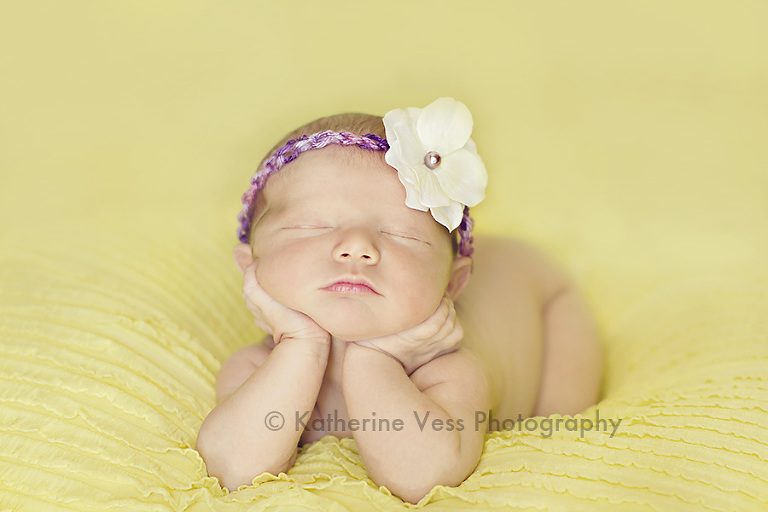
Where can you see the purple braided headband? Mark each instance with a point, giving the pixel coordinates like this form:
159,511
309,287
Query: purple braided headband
294,147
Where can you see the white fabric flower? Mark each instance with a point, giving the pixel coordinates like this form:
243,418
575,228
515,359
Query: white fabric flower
436,161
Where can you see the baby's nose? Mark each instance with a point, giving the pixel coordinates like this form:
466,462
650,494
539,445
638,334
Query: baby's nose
356,245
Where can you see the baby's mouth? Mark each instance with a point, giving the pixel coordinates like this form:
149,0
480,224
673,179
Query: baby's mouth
350,286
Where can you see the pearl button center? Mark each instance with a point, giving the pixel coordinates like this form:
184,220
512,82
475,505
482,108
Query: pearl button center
432,160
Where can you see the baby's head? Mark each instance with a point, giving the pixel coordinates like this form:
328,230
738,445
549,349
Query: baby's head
338,214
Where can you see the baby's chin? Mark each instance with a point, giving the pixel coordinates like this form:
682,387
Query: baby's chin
353,325
351,331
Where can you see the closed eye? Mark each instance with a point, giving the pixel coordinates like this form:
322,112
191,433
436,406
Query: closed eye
307,227
404,236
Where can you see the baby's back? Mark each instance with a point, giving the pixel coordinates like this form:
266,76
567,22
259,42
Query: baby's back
526,320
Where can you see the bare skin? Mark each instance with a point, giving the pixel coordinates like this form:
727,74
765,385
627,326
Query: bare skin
515,339
529,327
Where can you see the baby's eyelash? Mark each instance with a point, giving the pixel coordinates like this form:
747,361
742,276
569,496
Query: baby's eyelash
401,235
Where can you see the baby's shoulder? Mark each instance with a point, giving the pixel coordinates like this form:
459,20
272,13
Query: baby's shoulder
497,256
240,365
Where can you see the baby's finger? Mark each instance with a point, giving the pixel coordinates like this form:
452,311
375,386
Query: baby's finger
448,337
436,323
432,325
449,343
253,291
250,282
258,301
447,326
456,334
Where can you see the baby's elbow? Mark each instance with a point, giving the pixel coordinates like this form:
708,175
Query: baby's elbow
413,492
408,490
229,477
218,462
233,473
413,487
229,463
412,497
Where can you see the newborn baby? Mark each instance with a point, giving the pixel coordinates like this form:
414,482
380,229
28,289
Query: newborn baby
376,331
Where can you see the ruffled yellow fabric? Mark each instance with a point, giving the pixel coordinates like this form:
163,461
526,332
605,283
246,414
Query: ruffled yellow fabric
109,354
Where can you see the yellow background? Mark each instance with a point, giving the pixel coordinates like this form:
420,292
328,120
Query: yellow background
627,138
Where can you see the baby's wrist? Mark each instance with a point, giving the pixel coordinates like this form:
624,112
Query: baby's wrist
374,351
308,332
320,344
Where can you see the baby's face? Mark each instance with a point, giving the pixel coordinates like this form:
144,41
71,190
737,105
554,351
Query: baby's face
331,216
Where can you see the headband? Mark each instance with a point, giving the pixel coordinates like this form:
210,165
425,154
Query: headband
430,148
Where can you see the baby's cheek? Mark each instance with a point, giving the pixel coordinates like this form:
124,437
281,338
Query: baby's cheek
420,303
276,274
432,284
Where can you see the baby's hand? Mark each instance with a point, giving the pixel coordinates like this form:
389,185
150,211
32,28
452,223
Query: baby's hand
439,334
274,318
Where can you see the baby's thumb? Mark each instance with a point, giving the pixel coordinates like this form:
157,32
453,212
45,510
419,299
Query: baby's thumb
252,290
251,285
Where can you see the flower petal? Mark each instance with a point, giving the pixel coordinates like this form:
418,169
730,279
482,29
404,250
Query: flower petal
404,170
471,146
430,192
400,129
448,216
444,126
412,199
463,177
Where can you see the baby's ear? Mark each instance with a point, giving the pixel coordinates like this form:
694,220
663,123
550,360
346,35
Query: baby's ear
462,266
243,256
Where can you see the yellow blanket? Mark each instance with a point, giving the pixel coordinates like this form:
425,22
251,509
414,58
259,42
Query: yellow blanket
109,359
627,140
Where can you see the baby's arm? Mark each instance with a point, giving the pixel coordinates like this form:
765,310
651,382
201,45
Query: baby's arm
236,440
438,443
244,434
